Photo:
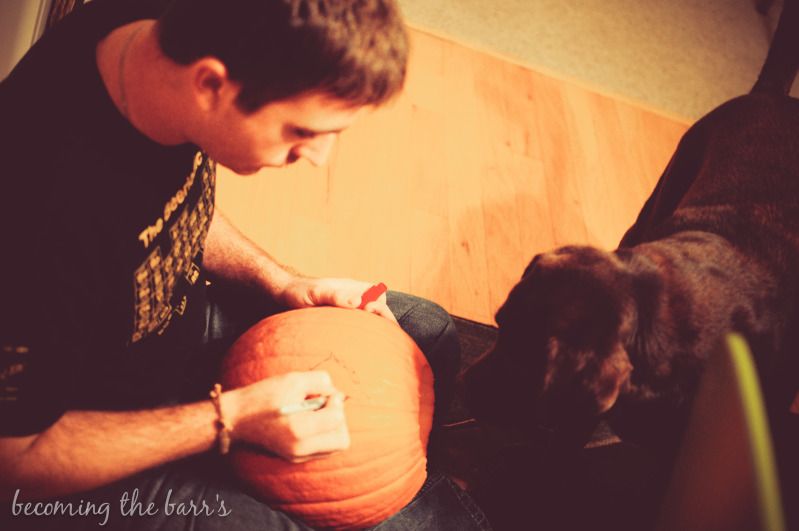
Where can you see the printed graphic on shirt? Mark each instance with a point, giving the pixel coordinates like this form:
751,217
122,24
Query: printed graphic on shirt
174,259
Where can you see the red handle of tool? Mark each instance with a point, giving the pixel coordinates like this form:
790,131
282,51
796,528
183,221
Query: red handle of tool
372,294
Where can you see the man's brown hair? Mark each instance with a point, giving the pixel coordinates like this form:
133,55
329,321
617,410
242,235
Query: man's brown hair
354,50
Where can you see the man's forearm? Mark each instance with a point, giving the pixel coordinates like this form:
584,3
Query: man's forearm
231,256
87,449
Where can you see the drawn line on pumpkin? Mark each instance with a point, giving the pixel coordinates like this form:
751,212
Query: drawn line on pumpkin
353,374
338,361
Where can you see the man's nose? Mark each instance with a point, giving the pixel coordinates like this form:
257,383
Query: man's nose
317,151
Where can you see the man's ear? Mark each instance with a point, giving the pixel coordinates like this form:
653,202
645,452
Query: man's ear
210,83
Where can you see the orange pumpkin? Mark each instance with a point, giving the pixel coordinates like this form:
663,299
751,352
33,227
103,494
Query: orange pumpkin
389,414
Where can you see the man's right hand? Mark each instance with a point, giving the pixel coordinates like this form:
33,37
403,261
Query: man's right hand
111,445
296,437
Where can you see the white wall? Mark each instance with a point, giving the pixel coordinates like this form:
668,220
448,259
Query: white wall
21,23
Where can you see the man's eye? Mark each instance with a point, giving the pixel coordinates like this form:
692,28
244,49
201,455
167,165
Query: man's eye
303,133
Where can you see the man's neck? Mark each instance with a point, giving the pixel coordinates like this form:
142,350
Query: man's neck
141,81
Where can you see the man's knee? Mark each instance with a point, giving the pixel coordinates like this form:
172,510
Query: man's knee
427,323
434,332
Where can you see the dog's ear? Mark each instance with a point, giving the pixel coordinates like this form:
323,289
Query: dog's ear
614,374
580,383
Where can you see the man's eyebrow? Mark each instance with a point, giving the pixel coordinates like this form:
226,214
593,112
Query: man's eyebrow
297,127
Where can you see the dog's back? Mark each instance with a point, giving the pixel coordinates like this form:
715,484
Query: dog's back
735,174
741,161
753,135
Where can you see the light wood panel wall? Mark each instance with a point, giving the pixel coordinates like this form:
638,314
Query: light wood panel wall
453,188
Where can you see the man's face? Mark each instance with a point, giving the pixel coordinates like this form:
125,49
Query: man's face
278,133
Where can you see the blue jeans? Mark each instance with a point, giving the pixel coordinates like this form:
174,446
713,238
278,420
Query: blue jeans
200,493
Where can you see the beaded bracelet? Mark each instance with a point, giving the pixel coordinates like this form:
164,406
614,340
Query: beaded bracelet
222,426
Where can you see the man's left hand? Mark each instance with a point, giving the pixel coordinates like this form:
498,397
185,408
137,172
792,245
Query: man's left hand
303,292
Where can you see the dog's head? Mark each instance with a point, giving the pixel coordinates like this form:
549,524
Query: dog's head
560,359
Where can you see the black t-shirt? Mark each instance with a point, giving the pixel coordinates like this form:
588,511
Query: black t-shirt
102,229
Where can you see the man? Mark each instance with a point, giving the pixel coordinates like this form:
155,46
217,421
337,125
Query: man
111,127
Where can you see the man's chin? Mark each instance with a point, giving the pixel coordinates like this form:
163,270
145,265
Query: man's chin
246,171
254,169
243,170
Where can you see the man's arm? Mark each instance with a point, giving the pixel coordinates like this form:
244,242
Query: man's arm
88,449
231,256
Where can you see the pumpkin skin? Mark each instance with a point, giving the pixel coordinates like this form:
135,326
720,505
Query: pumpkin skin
389,413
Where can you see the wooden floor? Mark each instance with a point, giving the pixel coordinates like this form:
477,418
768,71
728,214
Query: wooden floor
450,191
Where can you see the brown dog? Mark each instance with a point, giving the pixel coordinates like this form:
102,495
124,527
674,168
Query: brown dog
715,249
